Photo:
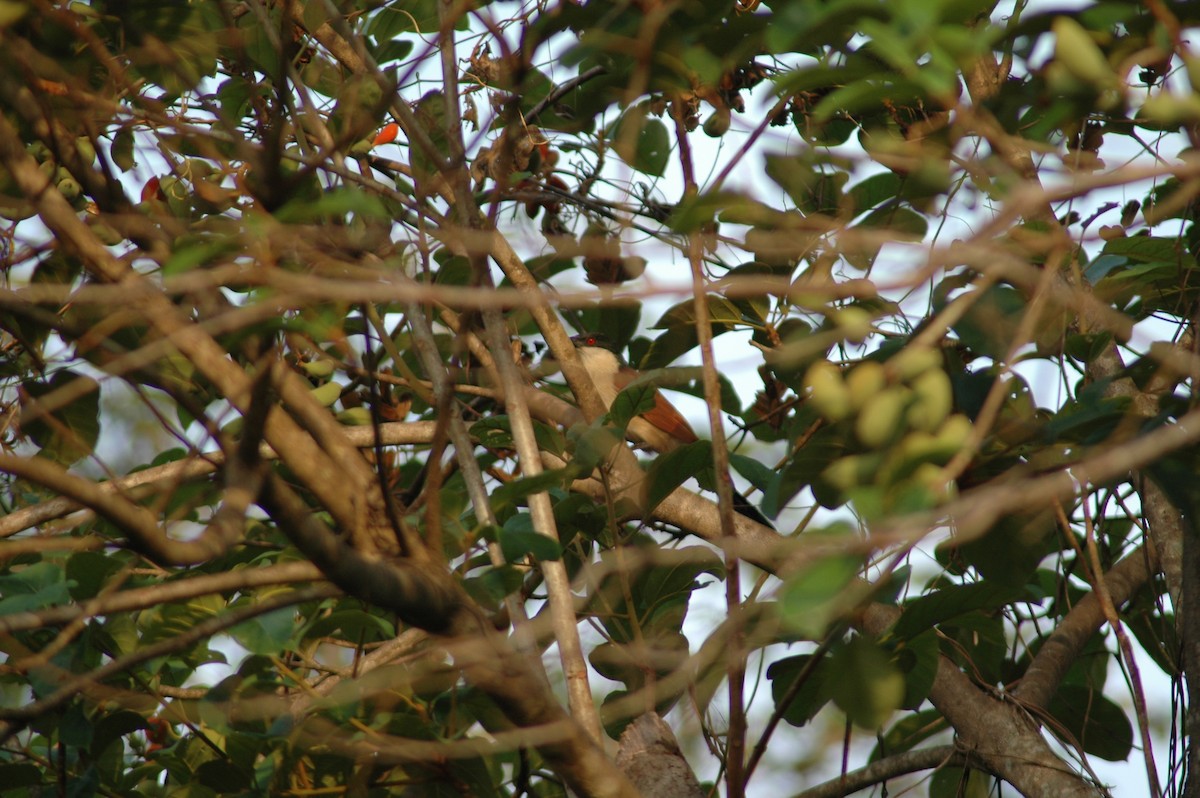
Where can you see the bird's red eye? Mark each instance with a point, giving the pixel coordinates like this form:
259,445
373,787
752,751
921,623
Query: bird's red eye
591,341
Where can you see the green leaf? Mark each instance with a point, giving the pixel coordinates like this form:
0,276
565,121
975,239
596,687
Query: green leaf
592,445
874,191
518,540
635,399
814,187
75,727
70,430
337,203
87,571
1102,727
817,593
511,493
642,142
909,732
112,726
493,432
758,473
660,595
356,625
404,16
865,683
33,587
16,775
903,222
990,325
670,470
917,659
121,150
809,697
929,611
267,634
222,776
955,782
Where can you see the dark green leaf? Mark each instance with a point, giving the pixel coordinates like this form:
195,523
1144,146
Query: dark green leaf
113,726
267,634
873,192
817,593
65,421
642,142
909,732
917,659
87,571
75,727
927,612
1097,723
222,776
33,587
955,782
865,683
809,697
990,326
758,473
634,400
670,470
518,539
121,150
512,492
17,775
358,626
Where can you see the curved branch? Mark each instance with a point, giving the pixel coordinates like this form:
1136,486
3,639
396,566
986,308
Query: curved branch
420,597
887,768
139,523
179,590
17,718
396,433
1002,737
1059,651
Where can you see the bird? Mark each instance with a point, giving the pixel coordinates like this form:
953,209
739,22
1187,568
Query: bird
662,427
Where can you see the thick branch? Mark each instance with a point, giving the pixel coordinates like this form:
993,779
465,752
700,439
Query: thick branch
888,768
165,593
1060,650
998,733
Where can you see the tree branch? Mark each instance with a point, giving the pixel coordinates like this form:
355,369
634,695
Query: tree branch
888,768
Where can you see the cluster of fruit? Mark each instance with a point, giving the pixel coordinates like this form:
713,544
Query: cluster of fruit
14,205
901,412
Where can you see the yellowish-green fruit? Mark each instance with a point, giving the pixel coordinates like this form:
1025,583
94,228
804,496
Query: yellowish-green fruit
912,361
107,235
934,400
933,479
881,417
69,188
318,368
954,433
87,152
827,390
852,471
1192,64
326,394
1078,53
355,416
854,323
717,124
1169,109
864,382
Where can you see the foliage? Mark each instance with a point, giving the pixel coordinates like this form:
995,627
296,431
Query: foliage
274,390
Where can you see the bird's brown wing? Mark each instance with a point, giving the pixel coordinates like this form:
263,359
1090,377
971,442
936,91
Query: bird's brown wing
663,415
